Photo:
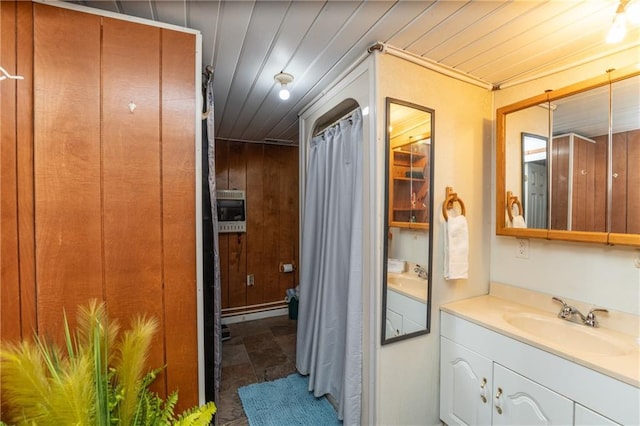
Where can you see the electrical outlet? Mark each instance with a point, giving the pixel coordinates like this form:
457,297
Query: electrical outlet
250,281
522,249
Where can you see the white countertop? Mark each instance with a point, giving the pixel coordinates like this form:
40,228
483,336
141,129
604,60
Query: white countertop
492,312
409,285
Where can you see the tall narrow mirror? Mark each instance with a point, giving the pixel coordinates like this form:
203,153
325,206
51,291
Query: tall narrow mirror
409,206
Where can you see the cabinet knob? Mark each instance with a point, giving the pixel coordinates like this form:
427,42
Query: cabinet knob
483,390
498,402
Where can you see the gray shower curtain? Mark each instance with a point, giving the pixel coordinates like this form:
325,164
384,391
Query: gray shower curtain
217,309
329,337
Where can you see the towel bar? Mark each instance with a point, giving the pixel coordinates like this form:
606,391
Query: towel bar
451,198
511,200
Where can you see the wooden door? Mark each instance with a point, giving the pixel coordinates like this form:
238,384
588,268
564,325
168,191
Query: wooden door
67,156
17,280
178,214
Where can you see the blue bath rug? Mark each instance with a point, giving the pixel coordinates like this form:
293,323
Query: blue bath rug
286,402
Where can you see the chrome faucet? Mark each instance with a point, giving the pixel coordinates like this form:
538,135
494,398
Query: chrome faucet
422,272
567,312
591,320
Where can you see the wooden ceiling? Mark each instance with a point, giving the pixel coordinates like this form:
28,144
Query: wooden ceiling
248,42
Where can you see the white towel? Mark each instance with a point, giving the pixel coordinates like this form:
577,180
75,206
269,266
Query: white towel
518,222
456,247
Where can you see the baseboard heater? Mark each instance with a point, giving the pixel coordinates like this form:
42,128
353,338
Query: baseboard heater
251,309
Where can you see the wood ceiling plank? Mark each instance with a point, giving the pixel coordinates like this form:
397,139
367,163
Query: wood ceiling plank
141,9
174,12
297,22
232,28
521,38
567,41
449,27
321,31
476,34
313,68
204,16
266,22
426,23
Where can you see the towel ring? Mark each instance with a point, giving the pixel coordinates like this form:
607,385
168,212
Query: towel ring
451,198
511,200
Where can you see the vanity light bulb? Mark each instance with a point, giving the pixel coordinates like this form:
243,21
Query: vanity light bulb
284,93
633,13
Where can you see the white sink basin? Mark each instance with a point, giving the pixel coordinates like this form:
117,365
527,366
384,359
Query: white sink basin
405,280
409,284
572,336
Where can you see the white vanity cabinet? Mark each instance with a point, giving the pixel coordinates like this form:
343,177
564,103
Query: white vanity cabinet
411,319
488,378
520,401
476,391
586,417
465,385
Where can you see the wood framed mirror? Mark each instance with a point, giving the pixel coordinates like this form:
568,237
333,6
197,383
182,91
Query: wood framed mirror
409,206
569,151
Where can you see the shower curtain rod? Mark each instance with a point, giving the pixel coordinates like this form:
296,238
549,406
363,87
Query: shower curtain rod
333,123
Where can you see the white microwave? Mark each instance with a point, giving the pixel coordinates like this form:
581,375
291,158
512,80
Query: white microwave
232,210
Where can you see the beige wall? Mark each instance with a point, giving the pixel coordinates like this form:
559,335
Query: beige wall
595,274
407,371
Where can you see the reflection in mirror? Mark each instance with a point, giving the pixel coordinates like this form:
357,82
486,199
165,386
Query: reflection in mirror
579,161
409,202
528,153
592,132
625,156
534,180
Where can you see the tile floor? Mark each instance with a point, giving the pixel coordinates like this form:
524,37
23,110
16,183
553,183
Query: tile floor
258,351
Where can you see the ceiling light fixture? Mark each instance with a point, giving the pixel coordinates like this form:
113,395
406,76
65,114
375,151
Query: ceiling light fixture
283,78
627,10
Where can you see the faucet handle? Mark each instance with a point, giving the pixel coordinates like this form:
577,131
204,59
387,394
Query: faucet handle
591,320
566,310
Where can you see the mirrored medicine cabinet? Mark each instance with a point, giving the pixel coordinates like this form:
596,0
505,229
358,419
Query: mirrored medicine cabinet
409,206
568,162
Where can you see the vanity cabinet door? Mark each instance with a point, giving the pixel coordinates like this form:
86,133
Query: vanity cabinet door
586,417
394,323
465,396
520,401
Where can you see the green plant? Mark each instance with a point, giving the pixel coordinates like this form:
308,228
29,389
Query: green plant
98,379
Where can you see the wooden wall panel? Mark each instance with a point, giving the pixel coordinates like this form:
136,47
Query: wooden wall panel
26,208
288,215
237,241
271,210
131,155
269,175
10,327
178,215
619,185
67,162
633,182
255,223
600,184
560,180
